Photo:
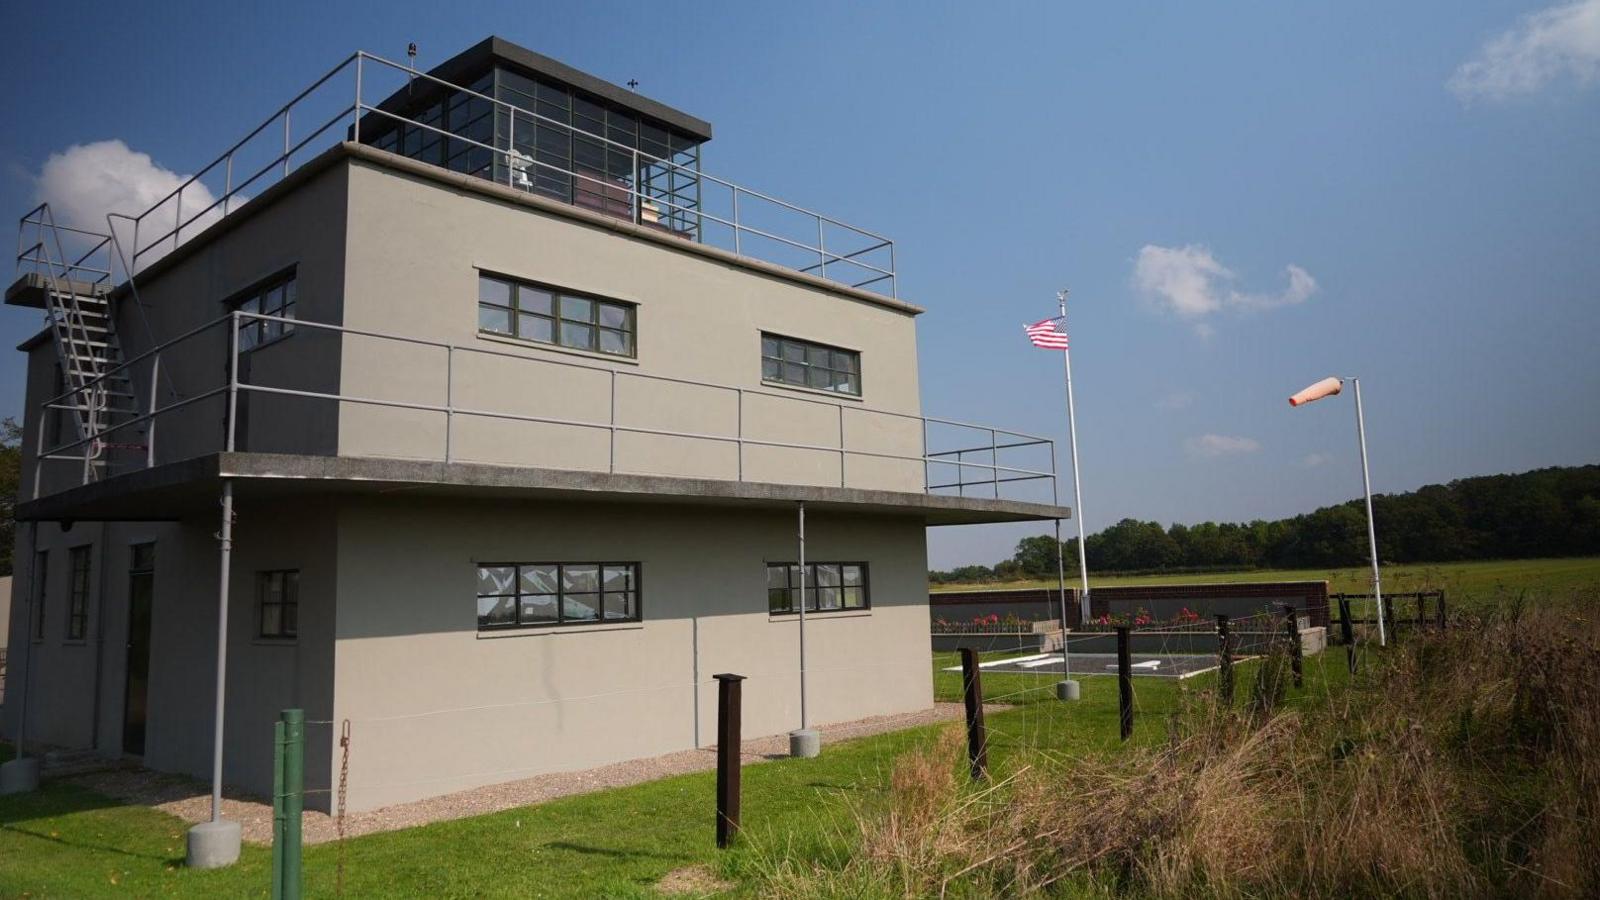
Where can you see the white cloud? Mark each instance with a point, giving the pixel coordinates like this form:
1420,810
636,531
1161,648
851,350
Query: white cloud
1192,284
85,181
1176,400
1313,460
1211,446
1544,46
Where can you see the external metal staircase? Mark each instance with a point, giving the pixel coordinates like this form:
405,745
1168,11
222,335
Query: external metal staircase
95,389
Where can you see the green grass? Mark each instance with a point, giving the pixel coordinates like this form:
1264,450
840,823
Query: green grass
1465,579
64,841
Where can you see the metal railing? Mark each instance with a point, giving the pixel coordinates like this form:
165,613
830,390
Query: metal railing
233,386
859,258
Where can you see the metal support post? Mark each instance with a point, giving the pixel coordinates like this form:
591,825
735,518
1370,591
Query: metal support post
215,843
1077,485
804,741
1224,660
1372,531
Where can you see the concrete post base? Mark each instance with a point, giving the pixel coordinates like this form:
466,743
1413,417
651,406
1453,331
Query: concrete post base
213,845
805,743
19,776
1067,690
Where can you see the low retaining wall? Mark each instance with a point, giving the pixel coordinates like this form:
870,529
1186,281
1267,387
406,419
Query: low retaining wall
1309,598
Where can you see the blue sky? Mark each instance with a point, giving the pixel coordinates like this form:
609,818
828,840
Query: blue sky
1430,171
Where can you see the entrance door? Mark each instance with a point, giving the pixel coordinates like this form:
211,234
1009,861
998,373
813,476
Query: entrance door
141,593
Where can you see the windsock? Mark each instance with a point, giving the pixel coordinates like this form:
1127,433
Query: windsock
1327,387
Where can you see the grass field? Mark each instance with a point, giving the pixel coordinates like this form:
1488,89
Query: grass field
1464,579
64,841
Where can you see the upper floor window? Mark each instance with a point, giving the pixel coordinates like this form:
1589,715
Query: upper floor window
275,297
790,361
550,316
529,594
828,586
78,599
278,604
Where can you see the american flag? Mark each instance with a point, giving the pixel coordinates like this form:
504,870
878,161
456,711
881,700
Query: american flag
1050,334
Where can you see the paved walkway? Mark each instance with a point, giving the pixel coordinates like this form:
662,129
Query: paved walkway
191,800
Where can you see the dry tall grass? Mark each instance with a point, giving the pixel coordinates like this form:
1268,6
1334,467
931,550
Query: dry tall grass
1465,764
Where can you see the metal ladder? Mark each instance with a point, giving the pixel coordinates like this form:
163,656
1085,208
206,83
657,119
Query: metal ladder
96,389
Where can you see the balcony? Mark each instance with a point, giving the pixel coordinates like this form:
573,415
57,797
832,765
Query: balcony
654,184
428,403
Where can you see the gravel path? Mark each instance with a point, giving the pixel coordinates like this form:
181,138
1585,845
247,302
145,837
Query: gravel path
191,800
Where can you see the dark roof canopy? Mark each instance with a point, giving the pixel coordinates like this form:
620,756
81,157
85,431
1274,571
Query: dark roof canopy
472,63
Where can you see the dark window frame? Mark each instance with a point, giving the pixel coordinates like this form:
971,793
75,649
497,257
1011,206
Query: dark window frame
80,582
557,317
288,605
812,592
636,589
257,298
777,366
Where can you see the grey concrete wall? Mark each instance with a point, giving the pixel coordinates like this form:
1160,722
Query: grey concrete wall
416,248
264,677
437,707
303,229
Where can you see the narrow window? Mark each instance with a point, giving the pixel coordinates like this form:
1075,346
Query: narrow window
78,599
828,586
513,595
41,591
806,364
278,602
546,315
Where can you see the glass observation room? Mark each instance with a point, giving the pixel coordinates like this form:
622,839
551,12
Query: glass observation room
555,132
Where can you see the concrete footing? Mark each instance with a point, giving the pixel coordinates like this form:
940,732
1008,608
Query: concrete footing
805,743
1068,690
19,776
213,845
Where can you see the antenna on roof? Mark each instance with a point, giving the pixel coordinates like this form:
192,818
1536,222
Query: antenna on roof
633,84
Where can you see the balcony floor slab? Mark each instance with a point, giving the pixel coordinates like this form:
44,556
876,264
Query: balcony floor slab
180,489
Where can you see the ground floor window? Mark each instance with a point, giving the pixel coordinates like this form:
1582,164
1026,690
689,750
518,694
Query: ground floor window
278,604
512,595
78,599
829,585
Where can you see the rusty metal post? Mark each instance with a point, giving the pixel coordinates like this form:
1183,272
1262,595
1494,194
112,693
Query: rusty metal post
729,736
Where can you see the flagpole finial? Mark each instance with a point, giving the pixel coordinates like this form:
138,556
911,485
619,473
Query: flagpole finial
1062,295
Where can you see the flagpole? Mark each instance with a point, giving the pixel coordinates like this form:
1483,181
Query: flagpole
1077,486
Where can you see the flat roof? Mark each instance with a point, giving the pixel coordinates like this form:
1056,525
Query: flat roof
176,490
472,62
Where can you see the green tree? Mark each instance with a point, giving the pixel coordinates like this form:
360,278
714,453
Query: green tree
10,481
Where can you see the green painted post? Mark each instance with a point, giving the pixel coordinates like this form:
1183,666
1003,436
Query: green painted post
294,799
277,810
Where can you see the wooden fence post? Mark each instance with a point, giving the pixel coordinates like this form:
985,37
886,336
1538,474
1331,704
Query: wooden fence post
1291,626
1347,634
1124,683
977,736
730,735
1439,608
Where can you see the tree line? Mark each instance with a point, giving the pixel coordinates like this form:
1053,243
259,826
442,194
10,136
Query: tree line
1546,512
